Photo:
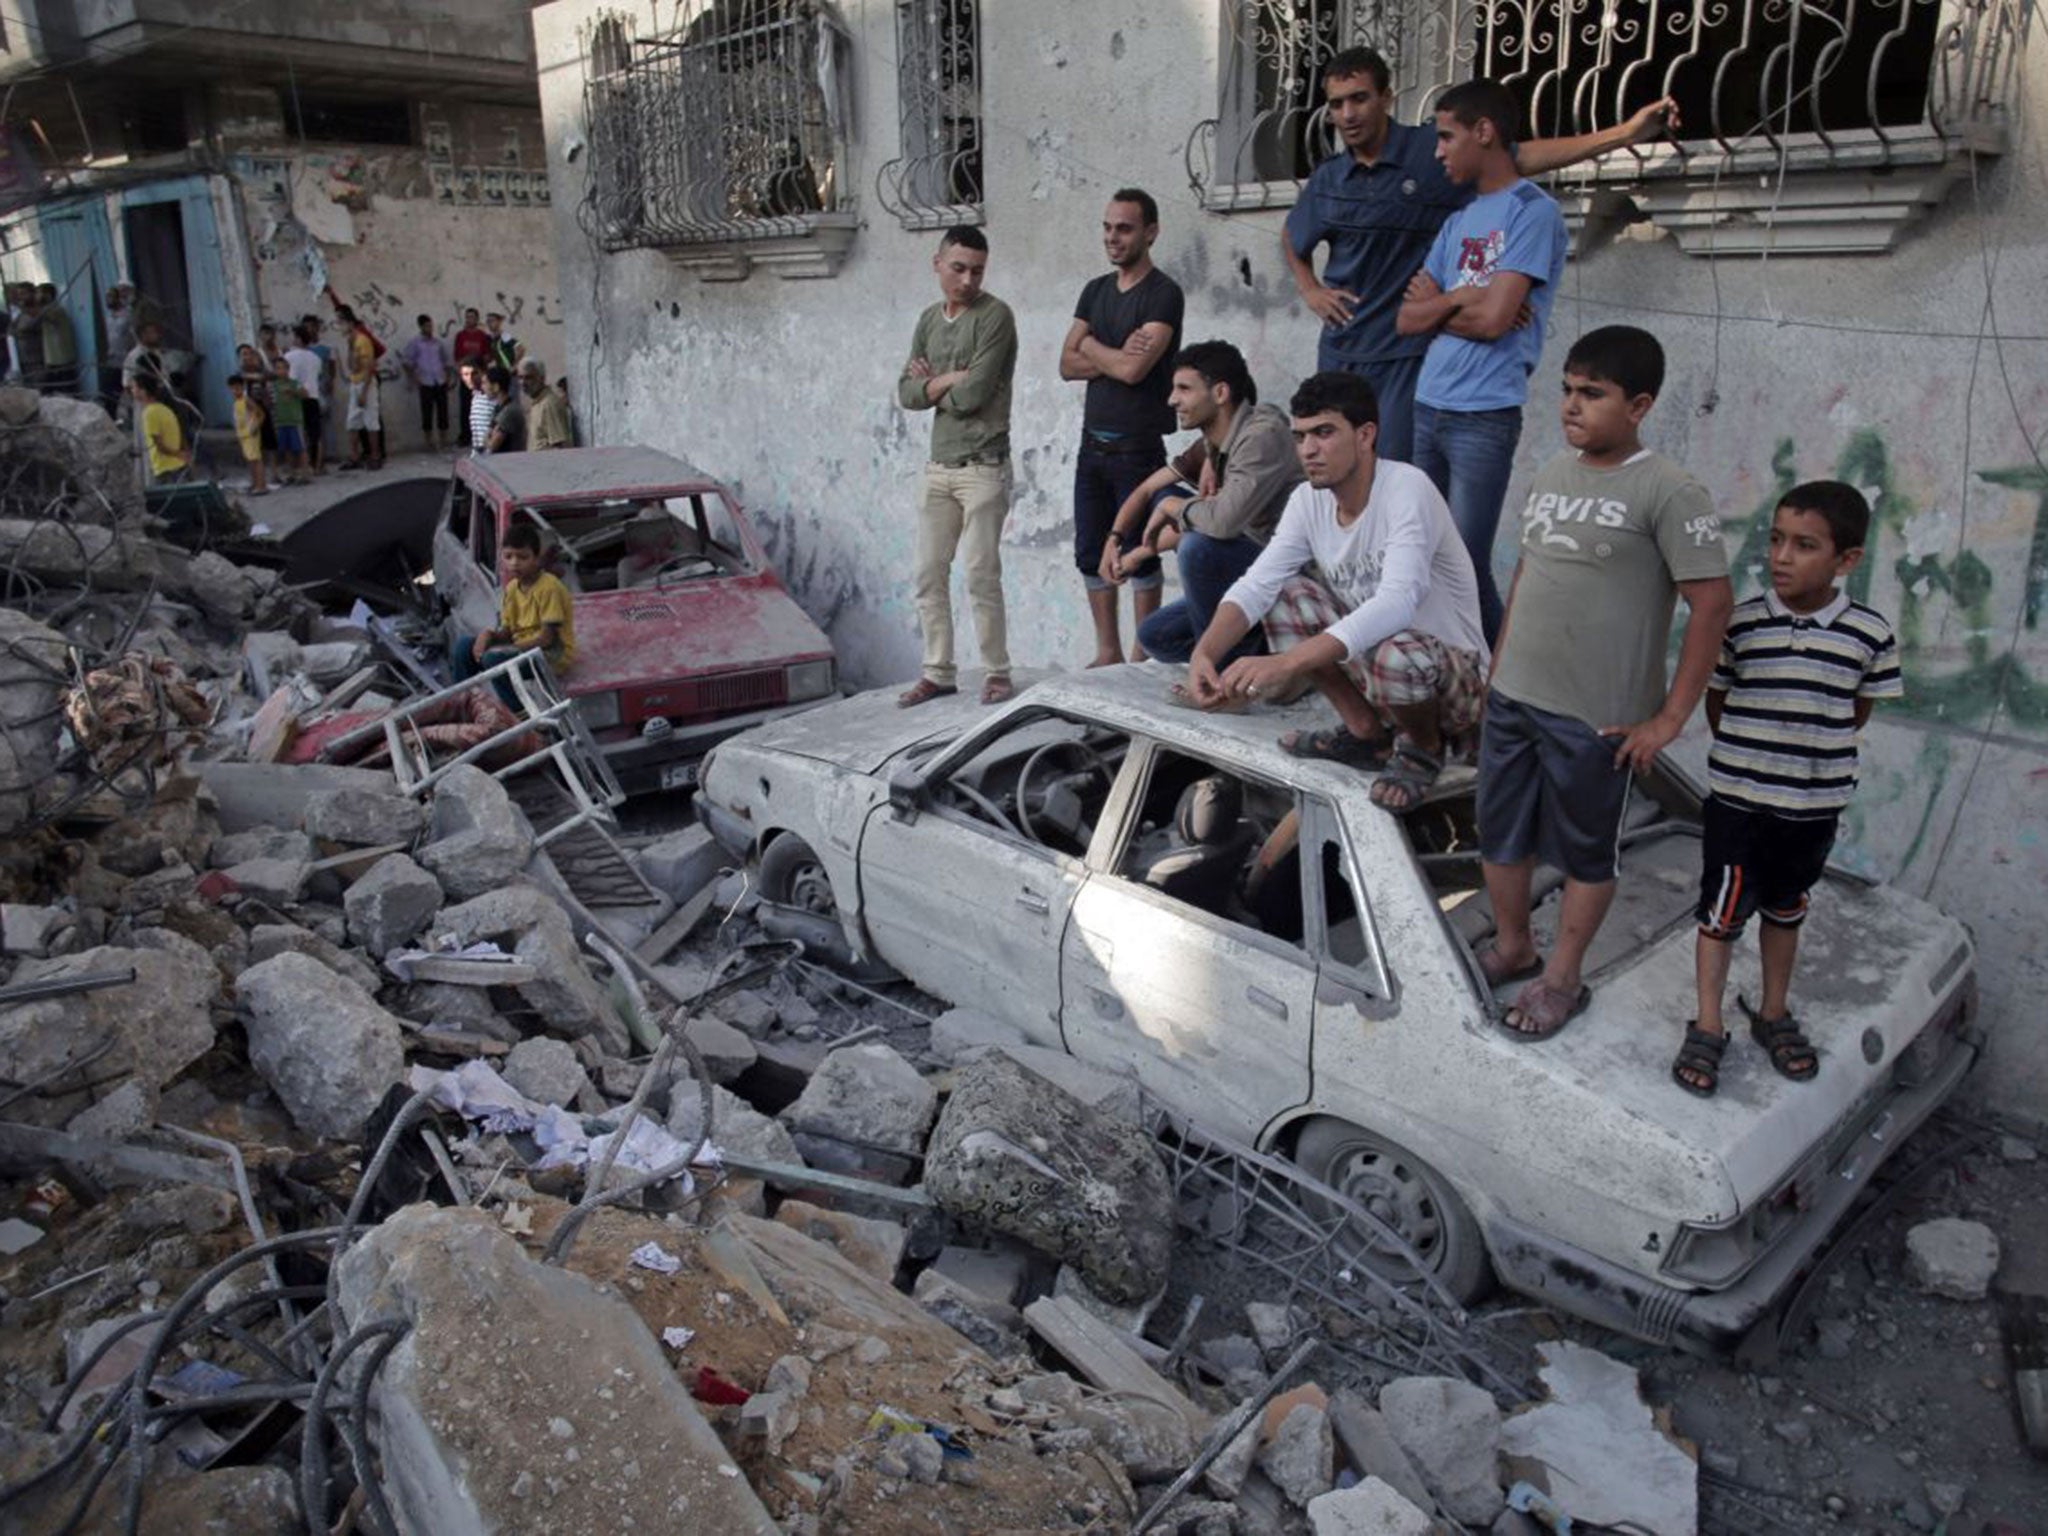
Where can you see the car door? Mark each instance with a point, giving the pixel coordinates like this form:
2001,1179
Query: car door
470,593
967,898
1209,1005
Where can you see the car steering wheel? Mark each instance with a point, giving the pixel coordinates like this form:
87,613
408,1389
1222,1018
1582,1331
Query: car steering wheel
982,803
1091,763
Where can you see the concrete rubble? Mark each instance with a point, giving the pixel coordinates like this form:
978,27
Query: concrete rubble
1953,1258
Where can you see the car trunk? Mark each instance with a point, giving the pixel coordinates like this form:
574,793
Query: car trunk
700,648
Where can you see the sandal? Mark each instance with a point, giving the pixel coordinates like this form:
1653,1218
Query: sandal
1544,1011
998,689
1407,777
1338,745
1499,973
923,691
1181,696
1790,1051
1700,1055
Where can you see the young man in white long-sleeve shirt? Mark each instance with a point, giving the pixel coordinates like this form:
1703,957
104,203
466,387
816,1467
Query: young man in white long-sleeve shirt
1387,629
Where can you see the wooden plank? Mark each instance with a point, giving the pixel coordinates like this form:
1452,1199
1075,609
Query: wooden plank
364,856
655,947
1093,1348
273,728
471,973
34,1144
348,690
453,1042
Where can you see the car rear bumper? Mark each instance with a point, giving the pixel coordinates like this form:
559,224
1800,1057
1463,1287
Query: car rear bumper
1715,1322
644,764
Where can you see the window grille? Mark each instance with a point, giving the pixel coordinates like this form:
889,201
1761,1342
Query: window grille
1847,87
936,180
729,130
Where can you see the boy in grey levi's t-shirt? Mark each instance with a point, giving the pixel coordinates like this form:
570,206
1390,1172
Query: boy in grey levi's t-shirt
1612,535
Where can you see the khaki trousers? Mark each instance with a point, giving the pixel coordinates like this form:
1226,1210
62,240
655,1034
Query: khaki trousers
963,510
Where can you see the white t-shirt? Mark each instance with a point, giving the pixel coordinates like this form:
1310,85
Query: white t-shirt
304,364
1399,565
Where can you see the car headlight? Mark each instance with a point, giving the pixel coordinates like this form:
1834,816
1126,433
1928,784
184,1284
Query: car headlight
808,680
600,711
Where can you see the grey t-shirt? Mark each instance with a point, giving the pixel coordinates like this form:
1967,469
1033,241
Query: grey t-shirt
1602,553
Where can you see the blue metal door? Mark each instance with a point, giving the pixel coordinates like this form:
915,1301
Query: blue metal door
78,246
213,326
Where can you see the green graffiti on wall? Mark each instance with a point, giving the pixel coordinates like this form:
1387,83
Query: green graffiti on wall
1991,677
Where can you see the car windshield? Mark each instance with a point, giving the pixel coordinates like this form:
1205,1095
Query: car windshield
625,542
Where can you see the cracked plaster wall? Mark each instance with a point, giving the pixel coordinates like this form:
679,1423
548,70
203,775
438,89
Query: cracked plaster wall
1867,368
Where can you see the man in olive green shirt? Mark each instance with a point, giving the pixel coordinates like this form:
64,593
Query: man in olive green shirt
962,358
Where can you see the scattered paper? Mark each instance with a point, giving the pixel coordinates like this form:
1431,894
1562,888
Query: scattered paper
259,530
678,1338
657,1258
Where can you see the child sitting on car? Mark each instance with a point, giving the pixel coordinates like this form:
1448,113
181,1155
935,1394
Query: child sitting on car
1800,668
535,613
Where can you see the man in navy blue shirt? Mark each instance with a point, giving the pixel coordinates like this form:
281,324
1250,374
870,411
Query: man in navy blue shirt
1378,203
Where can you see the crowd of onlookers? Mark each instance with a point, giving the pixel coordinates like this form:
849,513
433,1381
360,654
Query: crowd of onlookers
307,397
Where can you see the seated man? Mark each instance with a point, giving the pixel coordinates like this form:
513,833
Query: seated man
535,613
1388,628
1245,467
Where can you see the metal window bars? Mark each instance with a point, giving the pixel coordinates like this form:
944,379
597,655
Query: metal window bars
732,125
1761,84
936,180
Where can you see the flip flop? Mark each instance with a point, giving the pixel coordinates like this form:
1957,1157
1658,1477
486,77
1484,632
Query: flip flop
1180,696
1337,745
923,691
1505,978
1548,1009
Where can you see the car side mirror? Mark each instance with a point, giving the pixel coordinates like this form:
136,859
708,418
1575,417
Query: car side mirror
907,794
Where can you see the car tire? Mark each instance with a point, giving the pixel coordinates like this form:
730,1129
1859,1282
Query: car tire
794,876
1409,1196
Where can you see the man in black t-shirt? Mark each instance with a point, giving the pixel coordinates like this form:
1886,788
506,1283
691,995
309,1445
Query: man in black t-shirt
1126,327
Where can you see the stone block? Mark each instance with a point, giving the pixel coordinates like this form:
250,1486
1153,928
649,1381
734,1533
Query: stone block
546,1071
526,920
681,864
1301,1456
364,816
991,1326
726,1051
866,1096
1953,1258
1371,1448
1371,1508
272,939
326,1049
276,882
867,1242
235,848
478,839
1450,1430
736,1126
159,1024
391,905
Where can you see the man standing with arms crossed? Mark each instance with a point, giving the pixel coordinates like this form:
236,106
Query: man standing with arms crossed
1126,326
1378,203
963,357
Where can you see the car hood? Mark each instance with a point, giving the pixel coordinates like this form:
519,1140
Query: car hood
1875,965
688,629
864,732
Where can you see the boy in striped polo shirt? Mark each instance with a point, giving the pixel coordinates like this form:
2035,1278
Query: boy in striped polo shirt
1800,668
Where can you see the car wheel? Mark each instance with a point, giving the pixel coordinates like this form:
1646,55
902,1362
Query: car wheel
793,876
1409,1196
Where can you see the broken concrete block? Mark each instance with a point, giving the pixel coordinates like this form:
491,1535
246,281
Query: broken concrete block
160,1024
364,815
996,1274
771,1418
478,838
1450,1430
235,848
1952,1257
790,1374
34,666
120,1115
391,905
492,1326
864,1097
277,882
192,1207
1018,1155
329,662
959,1032
326,1049
272,939
219,586
1371,1448
37,931
681,864
1273,1325
1226,1474
736,1126
1370,1508
1598,1446
546,1071
751,1013
726,1052
1152,1439
994,1327
869,1242
530,923
1301,1456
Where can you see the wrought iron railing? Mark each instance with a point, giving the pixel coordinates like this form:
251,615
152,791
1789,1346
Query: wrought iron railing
1809,83
936,180
731,126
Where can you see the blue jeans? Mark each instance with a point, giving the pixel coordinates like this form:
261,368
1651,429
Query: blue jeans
1207,568
1393,384
1103,480
463,663
1469,455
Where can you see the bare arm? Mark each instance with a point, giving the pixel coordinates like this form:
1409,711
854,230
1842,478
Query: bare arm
1489,313
1709,603
1073,363
1862,716
1535,156
1333,306
1424,307
1138,356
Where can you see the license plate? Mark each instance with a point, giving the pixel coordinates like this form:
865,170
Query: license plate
679,776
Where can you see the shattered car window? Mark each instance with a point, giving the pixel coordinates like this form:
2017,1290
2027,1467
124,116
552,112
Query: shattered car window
622,543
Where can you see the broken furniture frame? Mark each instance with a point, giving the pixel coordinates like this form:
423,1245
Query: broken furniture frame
543,709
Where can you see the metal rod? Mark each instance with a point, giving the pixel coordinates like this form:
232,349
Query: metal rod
1221,1436
65,986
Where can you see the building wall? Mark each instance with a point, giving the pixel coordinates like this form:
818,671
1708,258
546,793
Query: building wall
1882,370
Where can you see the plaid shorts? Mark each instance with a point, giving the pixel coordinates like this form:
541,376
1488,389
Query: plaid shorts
1406,668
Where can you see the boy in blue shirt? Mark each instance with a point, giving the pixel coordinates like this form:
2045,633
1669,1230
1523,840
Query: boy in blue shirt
1484,299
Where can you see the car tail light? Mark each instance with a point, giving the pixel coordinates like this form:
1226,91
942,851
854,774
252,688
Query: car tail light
809,680
1918,1062
600,711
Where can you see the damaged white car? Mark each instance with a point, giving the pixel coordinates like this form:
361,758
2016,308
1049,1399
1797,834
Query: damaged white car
1085,865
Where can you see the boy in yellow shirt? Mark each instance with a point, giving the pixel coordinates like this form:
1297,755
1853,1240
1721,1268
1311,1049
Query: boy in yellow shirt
535,613
163,436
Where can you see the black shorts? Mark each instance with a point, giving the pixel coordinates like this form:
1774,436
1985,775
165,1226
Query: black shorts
1758,861
1548,789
